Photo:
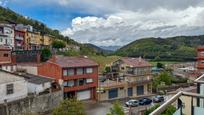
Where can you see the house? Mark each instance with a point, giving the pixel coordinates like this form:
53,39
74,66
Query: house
37,84
7,35
47,40
130,77
12,87
36,40
79,75
5,59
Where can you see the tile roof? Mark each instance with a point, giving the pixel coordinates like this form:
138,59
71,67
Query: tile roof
136,62
65,61
36,79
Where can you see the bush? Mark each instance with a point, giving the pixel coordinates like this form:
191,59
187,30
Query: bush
45,54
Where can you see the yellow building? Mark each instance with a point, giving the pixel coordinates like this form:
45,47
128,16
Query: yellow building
33,40
47,40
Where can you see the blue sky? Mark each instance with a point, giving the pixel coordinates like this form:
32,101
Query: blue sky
54,16
115,22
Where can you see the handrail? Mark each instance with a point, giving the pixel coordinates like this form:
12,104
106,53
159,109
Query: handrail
161,108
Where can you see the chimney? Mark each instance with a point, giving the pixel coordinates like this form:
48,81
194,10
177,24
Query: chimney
140,59
53,59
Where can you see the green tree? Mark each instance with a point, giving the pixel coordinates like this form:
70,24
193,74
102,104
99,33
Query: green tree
45,54
160,65
107,69
116,109
169,110
165,77
58,44
70,107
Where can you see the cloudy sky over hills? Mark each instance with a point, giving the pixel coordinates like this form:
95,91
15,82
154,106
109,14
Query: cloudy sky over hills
115,22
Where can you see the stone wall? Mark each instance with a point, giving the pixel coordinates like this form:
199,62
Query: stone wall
32,104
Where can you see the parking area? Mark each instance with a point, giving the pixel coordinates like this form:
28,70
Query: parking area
95,108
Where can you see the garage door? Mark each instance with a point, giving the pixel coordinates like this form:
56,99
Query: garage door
140,90
84,95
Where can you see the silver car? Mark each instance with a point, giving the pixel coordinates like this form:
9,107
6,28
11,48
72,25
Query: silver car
132,103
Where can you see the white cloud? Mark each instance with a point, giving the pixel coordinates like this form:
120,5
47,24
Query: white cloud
126,26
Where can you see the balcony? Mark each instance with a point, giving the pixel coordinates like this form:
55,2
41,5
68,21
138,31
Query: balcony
19,38
80,87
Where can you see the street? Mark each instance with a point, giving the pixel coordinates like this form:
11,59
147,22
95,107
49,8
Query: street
95,108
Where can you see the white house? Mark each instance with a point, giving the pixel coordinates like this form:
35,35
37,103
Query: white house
37,84
12,87
7,35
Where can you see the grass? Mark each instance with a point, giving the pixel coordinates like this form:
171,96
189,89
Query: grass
103,61
154,63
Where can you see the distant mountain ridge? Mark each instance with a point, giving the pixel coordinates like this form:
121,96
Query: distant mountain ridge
112,48
180,48
98,49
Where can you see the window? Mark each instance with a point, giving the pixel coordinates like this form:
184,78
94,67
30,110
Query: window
9,89
89,70
69,83
1,39
64,72
5,55
79,71
89,80
81,81
70,72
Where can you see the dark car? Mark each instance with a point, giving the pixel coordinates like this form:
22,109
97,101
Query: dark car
158,99
145,101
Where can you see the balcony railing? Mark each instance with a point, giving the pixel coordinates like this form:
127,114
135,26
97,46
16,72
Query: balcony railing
80,87
19,38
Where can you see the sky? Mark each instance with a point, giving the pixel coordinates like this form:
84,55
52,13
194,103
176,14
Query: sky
115,22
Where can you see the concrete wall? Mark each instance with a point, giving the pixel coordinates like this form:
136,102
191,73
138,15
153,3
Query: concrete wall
29,69
37,88
9,68
122,93
20,91
39,104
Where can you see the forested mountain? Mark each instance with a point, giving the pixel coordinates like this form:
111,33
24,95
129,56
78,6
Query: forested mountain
180,48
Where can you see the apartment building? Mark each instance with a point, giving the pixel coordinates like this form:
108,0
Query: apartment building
79,75
130,77
19,38
7,35
47,40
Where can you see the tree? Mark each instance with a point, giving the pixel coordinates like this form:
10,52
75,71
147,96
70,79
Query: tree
45,54
160,65
116,109
169,110
107,69
165,77
58,44
70,106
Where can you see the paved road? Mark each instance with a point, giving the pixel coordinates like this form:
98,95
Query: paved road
95,108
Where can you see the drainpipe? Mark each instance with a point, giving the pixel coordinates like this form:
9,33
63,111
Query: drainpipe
198,91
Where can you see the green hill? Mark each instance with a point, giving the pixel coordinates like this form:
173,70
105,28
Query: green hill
9,16
180,48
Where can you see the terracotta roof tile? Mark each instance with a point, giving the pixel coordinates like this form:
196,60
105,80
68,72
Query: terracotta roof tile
65,61
136,62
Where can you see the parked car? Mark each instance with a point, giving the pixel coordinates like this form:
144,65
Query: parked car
158,99
132,103
145,101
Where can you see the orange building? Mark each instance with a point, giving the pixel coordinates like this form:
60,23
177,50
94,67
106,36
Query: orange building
200,59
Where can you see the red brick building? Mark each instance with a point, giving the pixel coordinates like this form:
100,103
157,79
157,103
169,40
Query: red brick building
79,75
200,59
6,62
